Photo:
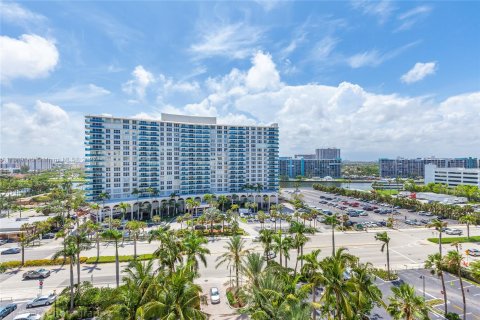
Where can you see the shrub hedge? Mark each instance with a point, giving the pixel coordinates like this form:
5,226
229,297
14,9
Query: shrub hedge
455,239
383,274
38,263
111,259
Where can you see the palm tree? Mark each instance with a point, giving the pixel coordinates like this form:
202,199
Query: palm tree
453,261
385,239
115,235
405,304
281,245
299,240
70,251
195,250
82,243
312,270
222,200
468,219
124,207
436,265
211,214
266,238
234,255
365,294
177,298
135,227
438,225
23,239
333,221
337,290
252,267
96,206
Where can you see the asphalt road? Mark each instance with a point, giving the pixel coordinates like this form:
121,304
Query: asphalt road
433,287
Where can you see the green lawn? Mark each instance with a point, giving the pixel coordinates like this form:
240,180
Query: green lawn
387,192
455,239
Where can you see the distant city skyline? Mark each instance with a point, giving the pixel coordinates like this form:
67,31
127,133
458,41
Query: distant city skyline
376,79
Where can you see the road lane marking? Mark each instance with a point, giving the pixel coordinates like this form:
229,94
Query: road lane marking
402,255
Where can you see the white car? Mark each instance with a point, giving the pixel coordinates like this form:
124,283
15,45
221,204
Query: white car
42,301
214,295
457,232
28,316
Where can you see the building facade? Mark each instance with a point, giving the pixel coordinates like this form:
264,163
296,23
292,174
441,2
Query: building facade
327,154
293,167
177,155
415,168
452,176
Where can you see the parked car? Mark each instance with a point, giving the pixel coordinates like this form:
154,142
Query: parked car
456,232
473,252
214,295
28,316
42,301
11,251
2,242
376,210
7,309
36,274
48,235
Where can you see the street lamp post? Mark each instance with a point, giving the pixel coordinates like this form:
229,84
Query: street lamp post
55,305
423,278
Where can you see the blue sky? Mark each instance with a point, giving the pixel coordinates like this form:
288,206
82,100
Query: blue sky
376,78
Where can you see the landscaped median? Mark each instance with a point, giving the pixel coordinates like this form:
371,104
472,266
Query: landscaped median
60,261
38,263
455,239
111,259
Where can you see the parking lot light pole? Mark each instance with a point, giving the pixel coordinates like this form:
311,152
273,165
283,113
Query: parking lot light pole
423,278
55,305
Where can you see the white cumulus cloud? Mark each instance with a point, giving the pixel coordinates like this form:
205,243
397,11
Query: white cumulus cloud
44,130
141,80
419,71
263,74
31,56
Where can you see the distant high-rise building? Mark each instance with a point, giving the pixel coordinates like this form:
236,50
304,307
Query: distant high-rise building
327,153
33,164
309,168
415,168
306,156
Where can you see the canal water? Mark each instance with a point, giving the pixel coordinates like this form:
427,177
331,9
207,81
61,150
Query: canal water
309,184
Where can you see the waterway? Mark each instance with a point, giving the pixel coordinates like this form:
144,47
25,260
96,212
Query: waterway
309,184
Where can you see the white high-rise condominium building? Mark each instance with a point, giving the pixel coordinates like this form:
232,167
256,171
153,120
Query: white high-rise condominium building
177,155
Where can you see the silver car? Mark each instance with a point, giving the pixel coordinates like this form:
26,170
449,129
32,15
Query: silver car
42,301
214,295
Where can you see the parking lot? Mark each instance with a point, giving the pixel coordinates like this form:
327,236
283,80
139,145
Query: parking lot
22,308
370,215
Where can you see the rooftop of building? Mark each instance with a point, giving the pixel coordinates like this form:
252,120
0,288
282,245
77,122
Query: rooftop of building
182,119
435,167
